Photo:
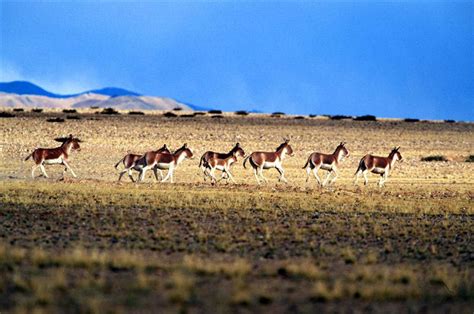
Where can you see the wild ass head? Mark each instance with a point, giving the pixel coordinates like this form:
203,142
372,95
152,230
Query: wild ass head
238,150
69,140
395,154
341,151
285,148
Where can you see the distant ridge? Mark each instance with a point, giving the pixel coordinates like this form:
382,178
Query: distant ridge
113,92
134,100
25,94
26,88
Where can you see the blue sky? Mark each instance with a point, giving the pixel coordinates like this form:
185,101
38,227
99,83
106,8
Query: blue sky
390,59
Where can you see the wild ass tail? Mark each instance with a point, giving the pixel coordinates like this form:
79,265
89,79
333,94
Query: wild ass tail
307,162
361,165
245,161
201,161
118,163
28,157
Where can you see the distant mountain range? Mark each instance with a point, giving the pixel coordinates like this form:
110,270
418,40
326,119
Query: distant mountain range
25,94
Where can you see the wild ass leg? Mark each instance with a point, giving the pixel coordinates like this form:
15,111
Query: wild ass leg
256,175
223,176
121,174
282,174
157,171
172,176
142,173
33,168
357,176
43,171
207,171
229,175
213,177
366,179
260,171
383,178
68,167
327,178
336,174
169,175
204,172
308,173
130,175
315,172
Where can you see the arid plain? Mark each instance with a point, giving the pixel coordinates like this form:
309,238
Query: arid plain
92,244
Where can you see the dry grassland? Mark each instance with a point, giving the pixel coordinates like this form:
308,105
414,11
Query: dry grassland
92,244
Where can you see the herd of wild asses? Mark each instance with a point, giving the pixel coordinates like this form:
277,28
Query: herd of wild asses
164,159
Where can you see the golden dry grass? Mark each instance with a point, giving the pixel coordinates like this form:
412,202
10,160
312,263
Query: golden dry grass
109,138
92,244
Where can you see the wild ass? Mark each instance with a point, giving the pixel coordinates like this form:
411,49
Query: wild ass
204,161
379,165
267,160
223,165
164,161
58,155
328,162
130,162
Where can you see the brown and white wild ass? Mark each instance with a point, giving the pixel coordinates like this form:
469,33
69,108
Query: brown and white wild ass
378,165
328,162
204,161
130,162
222,165
58,155
164,161
267,160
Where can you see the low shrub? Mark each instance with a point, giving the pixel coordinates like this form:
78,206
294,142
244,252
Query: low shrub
449,121
278,113
215,111
37,110
59,120
136,113
367,117
339,117
241,113
299,118
18,109
170,114
109,111
434,158
411,120
190,115
4,114
69,110
199,113
177,108
313,115
73,117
